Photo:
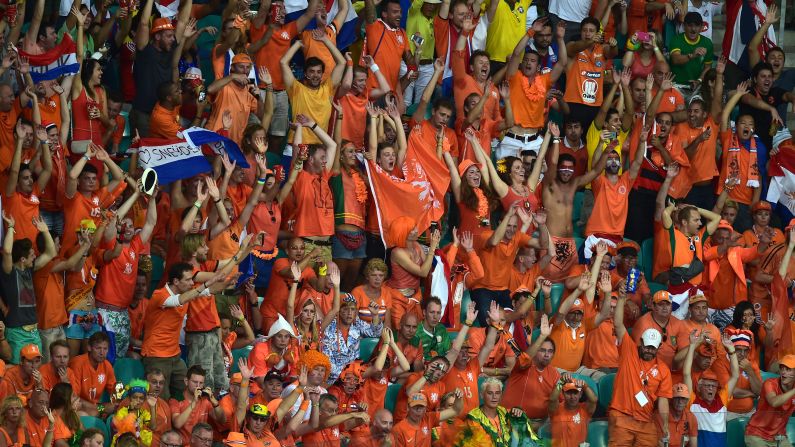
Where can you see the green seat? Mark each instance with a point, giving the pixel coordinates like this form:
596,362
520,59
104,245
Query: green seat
791,428
579,242
655,286
465,300
237,354
768,375
576,212
545,431
735,432
391,396
646,260
590,381
597,433
366,347
127,369
555,297
99,424
606,391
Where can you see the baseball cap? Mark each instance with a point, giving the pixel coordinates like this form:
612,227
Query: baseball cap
724,224
418,399
707,350
697,298
241,58
661,295
236,379
30,352
570,386
762,205
680,390
193,73
708,375
521,289
466,164
628,248
161,24
577,306
788,361
651,337
235,438
259,410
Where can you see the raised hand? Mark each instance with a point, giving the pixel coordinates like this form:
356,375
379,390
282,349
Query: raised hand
601,248
772,14
585,281
467,241
436,237
190,29
546,286
554,129
319,34
245,370
742,88
264,75
212,188
673,170
494,313
604,282
201,191
303,375
334,274
236,312
226,119
544,327
540,217
39,223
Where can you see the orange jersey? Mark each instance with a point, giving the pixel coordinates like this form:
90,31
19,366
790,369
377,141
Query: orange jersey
116,279
81,207
164,123
464,85
638,383
611,205
38,430
200,413
386,45
93,381
432,391
601,347
703,166
315,48
270,54
50,377
569,427
585,78
407,434
162,326
676,336
23,208
529,389
315,205
50,294
467,381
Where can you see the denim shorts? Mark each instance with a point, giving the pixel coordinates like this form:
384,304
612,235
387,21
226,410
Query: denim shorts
339,251
78,330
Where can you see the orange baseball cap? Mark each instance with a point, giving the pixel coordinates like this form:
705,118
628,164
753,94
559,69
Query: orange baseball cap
161,24
661,295
236,379
235,438
521,289
626,248
708,375
578,306
570,386
762,205
30,352
466,164
788,361
724,224
680,390
418,399
697,298
241,58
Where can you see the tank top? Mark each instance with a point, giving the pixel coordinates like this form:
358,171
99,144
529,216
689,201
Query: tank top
639,70
400,277
349,208
529,201
83,127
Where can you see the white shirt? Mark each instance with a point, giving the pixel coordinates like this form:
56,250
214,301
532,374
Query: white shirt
708,10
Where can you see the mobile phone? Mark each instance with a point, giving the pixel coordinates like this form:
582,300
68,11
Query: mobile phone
612,136
202,96
434,226
643,36
418,40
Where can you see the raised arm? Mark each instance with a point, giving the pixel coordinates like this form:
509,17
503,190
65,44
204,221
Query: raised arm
563,56
284,63
742,89
771,18
438,69
142,33
16,160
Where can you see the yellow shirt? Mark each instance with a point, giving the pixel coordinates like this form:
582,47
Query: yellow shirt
418,23
508,26
316,104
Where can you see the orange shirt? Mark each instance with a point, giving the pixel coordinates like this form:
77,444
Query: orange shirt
465,84
386,45
8,120
137,315
569,344
486,131
273,50
162,326
682,249
50,378
529,389
672,101
741,193
529,99
227,243
703,166
467,380
527,278
759,292
494,259
354,109
676,336
202,311
23,208
652,379
49,289
585,79
236,99
316,48
662,250
569,427
769,421
50,109
601,347
384,301
275,300
116,281
728,285
80,207
200,413
262,359
611,205
38,430
501,350
685,425
314,214
407,434
164,123
93,380
374,392
13,384
432,391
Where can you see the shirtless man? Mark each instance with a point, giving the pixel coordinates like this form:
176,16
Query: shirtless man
558,198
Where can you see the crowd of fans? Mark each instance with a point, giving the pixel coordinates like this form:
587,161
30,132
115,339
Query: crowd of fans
596,261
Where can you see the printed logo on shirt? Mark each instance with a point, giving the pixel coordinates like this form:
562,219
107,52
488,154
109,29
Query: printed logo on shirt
399,39
576,418
285,35
622,190
589,89
34,198
654,372
101,378
434,397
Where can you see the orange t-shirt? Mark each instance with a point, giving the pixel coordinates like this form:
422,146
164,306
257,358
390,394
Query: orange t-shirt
501,350
464,85
676,336
432,391
741,193
488,129
50,291
384,301
529,389
162,326
314,214
23,208
652,379
672,101
585,79
386,46
270,54
467,380
164,123
137,315
13,384
662,249
569,427
769,421
275,300
529,100
50,109
237,99
38,430
94,380
202,311
703,166
80,207
527,279
116,279
611,205
494,259
354,109
727,287
50,378
200,413
569,344
407,434
681,248
686,425
601,347
316,48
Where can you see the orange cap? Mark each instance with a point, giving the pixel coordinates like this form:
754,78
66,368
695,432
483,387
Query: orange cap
625,247
762,205
570,386
241,58
161,24
788,361
680,390
418,399
697,298
235,438
791,224
661,295
577,306
466,164
30,352
724,224
708,375
236,379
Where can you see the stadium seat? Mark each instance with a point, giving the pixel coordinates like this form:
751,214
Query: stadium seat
366,347
606,391
735,431
576,212
791,428
391,396
768,375
597,433
127,369
237,354
646,258
99,424
556,295
655,286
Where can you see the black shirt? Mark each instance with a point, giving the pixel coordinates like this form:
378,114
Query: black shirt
762,118
152,68
17,290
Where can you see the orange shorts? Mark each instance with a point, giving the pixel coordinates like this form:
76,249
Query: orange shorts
625,431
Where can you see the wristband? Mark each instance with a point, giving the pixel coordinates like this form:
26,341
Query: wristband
87,157
11,227
216,201
100,408
556,140
198,204
313,126
349,63
244,383
323,270
261,180
205,292
468,323
374,67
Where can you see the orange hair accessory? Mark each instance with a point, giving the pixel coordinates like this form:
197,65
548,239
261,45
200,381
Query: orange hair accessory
399,231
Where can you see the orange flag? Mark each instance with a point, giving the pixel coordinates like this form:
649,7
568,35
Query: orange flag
395,197
422,148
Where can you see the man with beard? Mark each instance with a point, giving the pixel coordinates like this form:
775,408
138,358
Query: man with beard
671,349
57,370
709,405
156,44
312,97
353,97
529,87
314,47
198,403
641,384
233,95
386,42
761,104
699,137
558,198
611,193
118,270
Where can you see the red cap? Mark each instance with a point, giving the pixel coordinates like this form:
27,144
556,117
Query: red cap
762,205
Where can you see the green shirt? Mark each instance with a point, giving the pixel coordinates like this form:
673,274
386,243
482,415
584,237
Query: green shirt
433,344
418,23
690,71
88,39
